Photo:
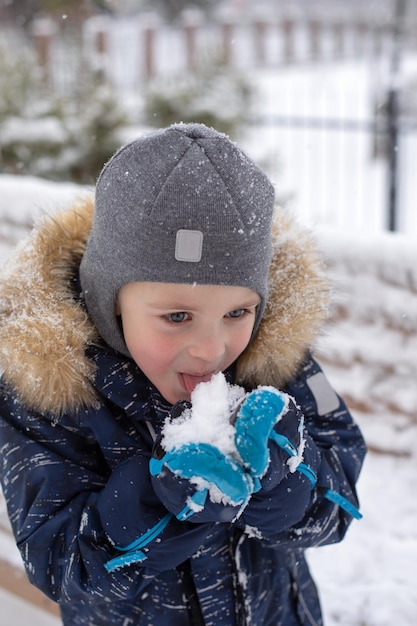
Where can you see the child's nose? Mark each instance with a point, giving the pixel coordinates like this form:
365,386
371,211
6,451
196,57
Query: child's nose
208,346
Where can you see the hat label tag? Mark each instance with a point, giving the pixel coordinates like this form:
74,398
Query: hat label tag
189,245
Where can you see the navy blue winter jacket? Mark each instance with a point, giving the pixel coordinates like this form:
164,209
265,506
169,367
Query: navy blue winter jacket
76,444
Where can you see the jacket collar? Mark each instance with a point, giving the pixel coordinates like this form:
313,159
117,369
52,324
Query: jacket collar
45,333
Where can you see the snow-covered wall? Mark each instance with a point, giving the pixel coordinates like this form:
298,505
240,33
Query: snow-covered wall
370,347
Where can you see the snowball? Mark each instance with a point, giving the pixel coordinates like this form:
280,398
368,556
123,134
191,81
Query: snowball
208,419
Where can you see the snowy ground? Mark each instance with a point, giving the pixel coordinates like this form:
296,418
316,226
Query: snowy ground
369,579
16,611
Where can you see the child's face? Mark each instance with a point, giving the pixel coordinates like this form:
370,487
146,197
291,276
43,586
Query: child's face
180,335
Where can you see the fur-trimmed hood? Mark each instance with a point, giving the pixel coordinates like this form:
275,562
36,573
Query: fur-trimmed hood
44,331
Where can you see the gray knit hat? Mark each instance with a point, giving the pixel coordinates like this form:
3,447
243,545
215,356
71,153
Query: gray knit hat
181,205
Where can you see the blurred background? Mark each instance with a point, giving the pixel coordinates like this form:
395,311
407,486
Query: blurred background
323,93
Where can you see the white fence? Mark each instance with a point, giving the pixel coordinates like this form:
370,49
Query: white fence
320,84
132,50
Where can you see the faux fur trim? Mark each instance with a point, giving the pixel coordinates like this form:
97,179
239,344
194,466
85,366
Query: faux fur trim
44,332
296,310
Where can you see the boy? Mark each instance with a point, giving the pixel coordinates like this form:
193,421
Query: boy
125,511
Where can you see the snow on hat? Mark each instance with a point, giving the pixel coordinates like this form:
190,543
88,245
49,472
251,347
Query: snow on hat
180,205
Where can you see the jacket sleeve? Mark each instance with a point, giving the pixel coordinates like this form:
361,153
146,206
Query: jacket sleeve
71,510
293,511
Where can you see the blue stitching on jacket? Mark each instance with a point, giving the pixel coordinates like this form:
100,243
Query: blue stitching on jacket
147,537
133,553
125,559
337,498
199,498
284,443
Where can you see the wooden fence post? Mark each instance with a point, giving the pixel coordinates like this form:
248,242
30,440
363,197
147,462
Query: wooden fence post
43,32
227,36
149,31
378,34
191,24
260,30
315,30
102,41
288,34
361,32
339,39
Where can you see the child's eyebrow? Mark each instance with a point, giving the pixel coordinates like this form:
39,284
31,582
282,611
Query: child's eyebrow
183,306
178,306
246,305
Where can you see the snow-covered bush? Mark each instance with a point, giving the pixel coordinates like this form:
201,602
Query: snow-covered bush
93,123
215,95
45,134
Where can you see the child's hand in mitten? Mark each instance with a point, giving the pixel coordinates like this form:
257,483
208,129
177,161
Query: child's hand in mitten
196,469
189,475
269,436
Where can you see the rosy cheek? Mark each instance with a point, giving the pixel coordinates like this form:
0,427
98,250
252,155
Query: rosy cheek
243,338
162,351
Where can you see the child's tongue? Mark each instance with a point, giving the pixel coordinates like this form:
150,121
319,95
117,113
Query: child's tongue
190,382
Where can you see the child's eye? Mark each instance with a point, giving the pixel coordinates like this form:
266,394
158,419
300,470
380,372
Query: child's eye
237,313
177,317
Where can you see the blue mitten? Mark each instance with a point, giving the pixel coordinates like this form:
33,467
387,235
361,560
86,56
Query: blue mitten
196,469
264,413
209,470
256,418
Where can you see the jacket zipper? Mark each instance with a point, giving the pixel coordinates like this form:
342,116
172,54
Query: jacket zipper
195,615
